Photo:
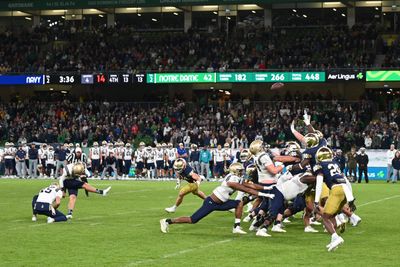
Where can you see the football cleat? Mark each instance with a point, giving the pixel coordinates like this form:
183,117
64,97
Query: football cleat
286,220
253,227
238,230
314,222
355,219
34,218
247,218
164,226
69,216
335,243
170,209
278,229
310,229
262,232
50,220
105,191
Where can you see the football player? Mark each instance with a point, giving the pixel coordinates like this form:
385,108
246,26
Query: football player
170,158
119,150
42,157
139,159
127,159
8,159
150,166
159,157
185,172
94,156
73,178
47,202
219,200
328,171
50,162
268,174
219,160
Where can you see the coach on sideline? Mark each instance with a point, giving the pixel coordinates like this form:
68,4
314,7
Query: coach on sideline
33,154
362,161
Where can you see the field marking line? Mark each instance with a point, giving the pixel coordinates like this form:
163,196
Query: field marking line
179,253
377,201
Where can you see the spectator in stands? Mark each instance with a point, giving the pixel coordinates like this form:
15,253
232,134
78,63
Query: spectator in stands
362,161
339,158
390,154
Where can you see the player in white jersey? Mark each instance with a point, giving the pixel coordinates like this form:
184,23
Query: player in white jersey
170,160
42,159
95,157
139,157
128,153
220,200
219,162
50,162
9,155
47,202
285,190
228,154
150,162
103,153
73,178
119,155
159,157
267,172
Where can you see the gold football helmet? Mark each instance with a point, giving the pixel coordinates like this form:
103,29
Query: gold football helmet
244,155
226,145
179,165
95,144
78,169
127,144
311,140
256,147
324,154
142,144
236,169
319,134
104,143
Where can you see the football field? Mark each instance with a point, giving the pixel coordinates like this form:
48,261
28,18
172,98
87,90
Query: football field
123,229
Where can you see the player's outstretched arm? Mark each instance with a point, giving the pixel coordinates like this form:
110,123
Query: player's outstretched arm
245,189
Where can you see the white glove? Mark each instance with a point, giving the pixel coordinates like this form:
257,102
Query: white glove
178,184
307,118
292,126
278,163
261,194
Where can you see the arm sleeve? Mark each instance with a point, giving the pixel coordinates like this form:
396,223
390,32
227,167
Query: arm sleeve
318,187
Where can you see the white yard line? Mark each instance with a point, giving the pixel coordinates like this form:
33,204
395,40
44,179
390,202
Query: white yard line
377,201
178,253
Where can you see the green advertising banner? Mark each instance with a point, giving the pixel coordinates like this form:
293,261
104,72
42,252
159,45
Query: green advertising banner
383,76
77,4
236,77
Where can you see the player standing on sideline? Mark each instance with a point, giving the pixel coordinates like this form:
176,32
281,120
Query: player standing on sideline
171,157
219,200
150,158
94,156
228,155
159,157
50,162
47,202
139,159
128,152
20,165
103,151
120,157
42,157
185,172
219,162
73,178
8,159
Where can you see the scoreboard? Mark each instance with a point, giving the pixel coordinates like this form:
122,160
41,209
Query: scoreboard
235,77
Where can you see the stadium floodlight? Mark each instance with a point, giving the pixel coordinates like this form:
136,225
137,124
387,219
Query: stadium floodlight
304,15
100,15
133,8
343,15
331,3
334,9
294,10
28,18
374,2
176,14
215,13
253,11
153,19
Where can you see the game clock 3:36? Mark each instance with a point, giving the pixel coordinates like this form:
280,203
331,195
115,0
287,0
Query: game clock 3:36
61,79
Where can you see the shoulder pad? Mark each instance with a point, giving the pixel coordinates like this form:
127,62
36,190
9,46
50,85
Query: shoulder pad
317,168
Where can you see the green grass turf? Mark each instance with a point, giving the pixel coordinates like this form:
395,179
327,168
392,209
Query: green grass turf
123,229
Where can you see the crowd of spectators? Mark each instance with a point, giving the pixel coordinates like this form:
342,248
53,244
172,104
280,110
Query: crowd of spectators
87,49
238,123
